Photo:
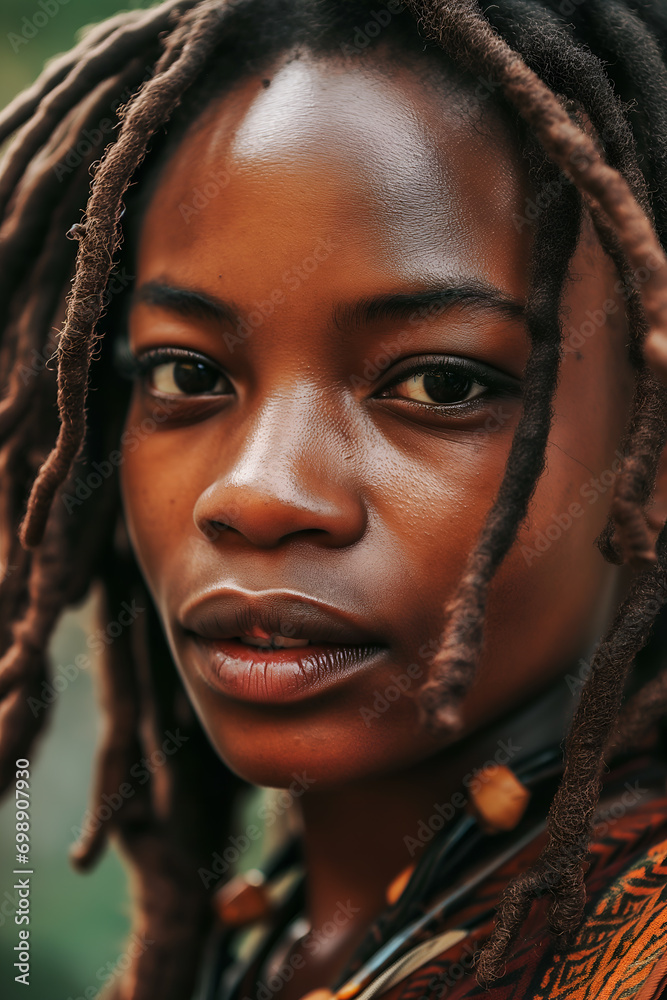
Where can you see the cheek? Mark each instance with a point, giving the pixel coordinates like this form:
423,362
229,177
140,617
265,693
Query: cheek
550,597
549,603
158,493
554,595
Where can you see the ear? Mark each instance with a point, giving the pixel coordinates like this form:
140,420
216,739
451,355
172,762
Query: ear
656,512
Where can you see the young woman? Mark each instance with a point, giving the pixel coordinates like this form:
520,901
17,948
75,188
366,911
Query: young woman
389,289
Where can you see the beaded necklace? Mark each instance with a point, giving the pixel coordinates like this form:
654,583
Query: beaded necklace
504,818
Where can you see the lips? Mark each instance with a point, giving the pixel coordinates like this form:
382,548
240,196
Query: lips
274,647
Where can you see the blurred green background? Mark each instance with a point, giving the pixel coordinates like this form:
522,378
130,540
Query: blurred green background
20,63
78,922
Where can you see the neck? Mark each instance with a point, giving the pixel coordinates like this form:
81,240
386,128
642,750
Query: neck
358,838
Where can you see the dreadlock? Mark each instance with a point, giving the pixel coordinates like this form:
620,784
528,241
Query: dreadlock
589,89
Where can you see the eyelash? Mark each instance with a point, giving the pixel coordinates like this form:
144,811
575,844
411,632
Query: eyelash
496,383
140,368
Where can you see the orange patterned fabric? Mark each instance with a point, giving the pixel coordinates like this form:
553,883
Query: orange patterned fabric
621,950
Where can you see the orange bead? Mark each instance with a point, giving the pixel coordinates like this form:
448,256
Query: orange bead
242,900
395,888
500,801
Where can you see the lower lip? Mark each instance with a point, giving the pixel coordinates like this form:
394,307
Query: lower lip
279,676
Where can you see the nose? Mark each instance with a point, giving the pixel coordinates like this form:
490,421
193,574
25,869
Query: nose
284,477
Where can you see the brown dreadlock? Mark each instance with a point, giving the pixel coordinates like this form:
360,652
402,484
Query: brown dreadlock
551,71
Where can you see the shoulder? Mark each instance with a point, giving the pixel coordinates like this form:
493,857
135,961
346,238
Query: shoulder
620,949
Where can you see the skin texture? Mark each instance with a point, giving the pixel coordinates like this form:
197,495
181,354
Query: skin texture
336,487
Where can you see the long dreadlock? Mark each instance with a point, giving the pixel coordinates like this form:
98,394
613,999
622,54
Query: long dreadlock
557,74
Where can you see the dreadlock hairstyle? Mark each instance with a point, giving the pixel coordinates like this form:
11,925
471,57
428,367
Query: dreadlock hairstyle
587,86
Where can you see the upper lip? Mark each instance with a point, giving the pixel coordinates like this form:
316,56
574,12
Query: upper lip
228,613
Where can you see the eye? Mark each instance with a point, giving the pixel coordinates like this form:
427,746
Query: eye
181,373
448,382
190,378
441,388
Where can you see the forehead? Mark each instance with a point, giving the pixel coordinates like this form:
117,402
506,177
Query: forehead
411,172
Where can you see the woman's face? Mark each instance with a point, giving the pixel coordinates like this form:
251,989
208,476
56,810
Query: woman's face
329,294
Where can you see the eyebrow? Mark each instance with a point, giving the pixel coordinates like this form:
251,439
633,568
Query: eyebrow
187,302
194,304
429,302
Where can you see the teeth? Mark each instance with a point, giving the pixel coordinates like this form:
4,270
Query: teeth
275,642
251,641
282,640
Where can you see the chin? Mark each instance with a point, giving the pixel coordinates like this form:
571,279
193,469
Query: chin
333,750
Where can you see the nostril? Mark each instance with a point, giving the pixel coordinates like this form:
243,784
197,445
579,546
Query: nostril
213,529
265,516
